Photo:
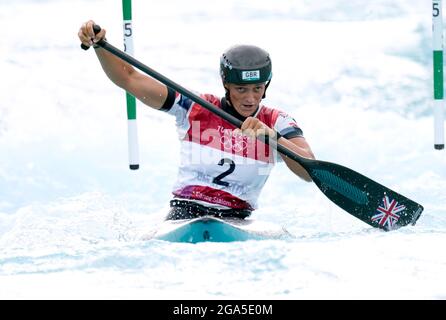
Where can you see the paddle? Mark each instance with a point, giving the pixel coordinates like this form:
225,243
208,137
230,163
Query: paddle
360,196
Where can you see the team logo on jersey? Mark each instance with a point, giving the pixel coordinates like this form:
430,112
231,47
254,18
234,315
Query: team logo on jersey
237,144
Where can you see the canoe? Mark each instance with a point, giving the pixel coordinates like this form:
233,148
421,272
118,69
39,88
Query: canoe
212,229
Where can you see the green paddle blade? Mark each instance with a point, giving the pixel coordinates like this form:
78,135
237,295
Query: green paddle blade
362,197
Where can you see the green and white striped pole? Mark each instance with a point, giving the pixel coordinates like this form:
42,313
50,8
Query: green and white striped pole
437,31
131,101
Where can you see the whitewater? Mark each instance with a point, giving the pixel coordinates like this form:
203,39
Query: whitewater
356,76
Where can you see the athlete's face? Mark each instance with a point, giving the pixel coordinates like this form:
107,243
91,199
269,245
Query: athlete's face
245,98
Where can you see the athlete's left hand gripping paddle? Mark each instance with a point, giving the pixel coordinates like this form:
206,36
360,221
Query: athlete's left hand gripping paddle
96,29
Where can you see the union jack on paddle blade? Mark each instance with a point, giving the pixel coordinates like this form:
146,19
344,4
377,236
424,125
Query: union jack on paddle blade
387,213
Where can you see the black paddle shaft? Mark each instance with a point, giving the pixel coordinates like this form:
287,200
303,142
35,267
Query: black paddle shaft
360,196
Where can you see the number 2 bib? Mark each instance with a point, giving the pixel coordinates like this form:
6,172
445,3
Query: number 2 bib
217,166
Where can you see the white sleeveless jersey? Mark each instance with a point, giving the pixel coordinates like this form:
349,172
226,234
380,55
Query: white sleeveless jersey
219,168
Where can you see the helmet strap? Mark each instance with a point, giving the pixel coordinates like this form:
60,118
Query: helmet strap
266,87
227,95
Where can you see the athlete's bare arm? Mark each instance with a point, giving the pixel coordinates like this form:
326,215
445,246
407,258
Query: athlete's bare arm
300,146
146,89
254,127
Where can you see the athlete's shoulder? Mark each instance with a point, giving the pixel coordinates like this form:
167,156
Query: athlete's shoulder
184,102
199,113
280,121
270,115
212,99
215,100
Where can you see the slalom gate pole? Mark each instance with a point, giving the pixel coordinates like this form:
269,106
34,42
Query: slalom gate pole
131,101
437,32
